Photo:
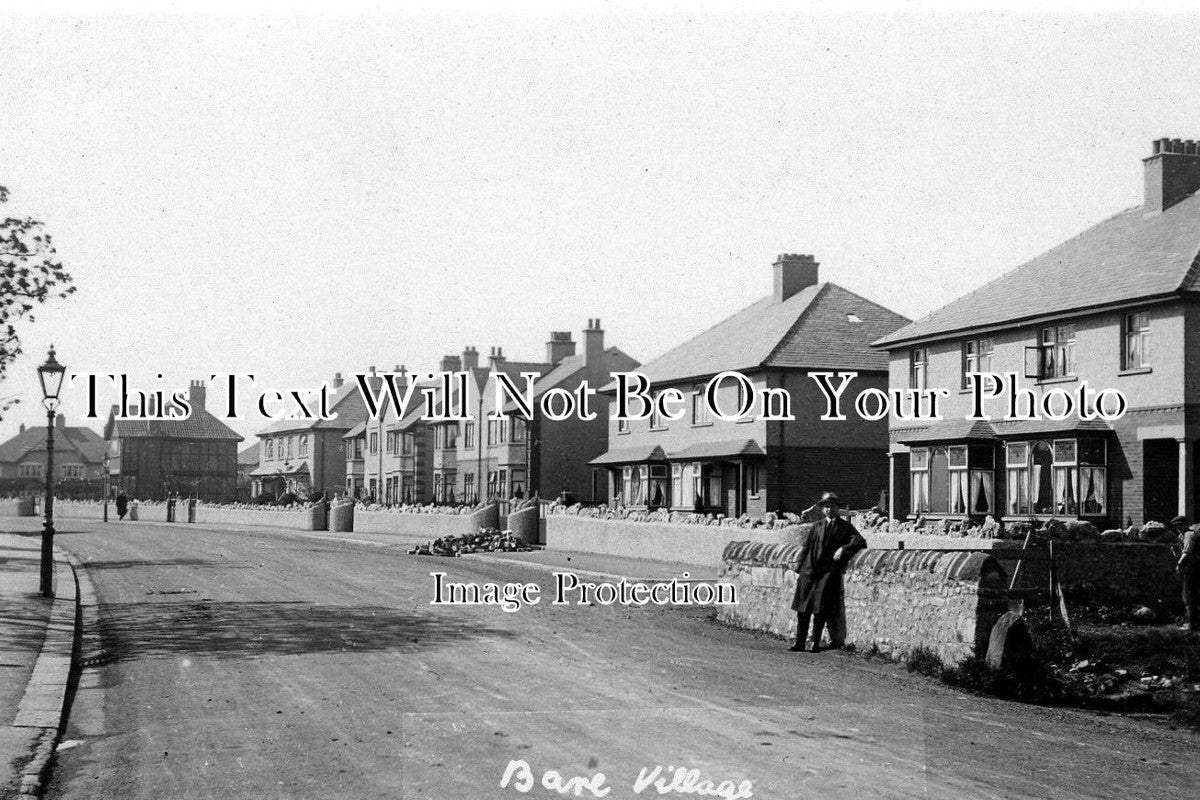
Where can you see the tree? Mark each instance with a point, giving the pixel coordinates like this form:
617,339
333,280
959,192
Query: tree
30,274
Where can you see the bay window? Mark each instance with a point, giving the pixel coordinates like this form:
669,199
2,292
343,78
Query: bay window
656,496
957,480
1066,477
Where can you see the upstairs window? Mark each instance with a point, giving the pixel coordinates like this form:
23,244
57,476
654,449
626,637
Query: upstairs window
623,427
469,435
303,446
918,368
1057,348
270,445
656,422
977,357
1135,341
700,415
374,443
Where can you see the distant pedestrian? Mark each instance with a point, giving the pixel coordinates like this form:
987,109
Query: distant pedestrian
1189,572
122,505
831,543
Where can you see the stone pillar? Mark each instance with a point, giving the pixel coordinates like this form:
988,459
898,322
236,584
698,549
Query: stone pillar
1185,478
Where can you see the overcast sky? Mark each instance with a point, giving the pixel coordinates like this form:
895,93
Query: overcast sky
294,196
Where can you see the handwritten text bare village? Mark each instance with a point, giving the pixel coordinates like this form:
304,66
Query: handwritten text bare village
524,400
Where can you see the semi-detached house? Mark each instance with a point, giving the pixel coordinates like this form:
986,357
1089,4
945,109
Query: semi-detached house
1116,307
704,463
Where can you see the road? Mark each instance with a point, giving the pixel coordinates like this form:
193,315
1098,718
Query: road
277,665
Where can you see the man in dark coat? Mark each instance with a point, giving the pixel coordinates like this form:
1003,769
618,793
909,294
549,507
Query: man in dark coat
1189,572
122,505
830,545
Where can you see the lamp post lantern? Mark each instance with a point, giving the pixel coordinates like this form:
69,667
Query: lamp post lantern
50,374
106,462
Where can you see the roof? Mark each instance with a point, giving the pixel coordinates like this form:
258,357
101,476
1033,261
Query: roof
811,329
1127,257
952,430
248,456
201,424
728,449
356,431
287,467
347,402
616,361
631,455
89,445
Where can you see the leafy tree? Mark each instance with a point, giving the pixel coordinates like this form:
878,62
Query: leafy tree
30,274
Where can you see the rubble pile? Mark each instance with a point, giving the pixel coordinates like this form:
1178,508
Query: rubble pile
488,540
1094,678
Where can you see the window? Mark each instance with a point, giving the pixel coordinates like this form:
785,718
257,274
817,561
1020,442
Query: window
289,441
29,471
1057,351
503,482
358,448
469,436
918,466
72,470
753,480
438,484
634,489
407,443
374,448
497,431
1135,341
270,450
518,482
977,357
518,429
706,485
1065,477
918,368
656,422
676,484
389,442
658,489
469,487
623,426
700,413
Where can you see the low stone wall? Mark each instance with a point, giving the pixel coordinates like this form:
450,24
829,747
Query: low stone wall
304,519
684,544
80,509
525,523
896,600
426,526
17,508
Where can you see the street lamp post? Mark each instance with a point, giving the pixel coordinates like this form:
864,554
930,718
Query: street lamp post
50,374
106,462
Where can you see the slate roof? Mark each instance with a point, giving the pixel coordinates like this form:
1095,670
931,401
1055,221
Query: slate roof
90,445
811,329
617,361
728,449
346,402
248,456
631,455
947,431
964,429
201,424
1127,257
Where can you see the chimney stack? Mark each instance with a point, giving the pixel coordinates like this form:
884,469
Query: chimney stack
470,358
198,394
559,347
60,421
22,427
451,364
593,344
1172,173
496,357
337,381
794,272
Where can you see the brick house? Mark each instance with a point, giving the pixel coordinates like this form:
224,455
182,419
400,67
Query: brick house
1115,306
387,458
752,466
155,458
78,460
303,455
247,462
514,457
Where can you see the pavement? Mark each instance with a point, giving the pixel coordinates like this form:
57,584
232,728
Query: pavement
37,638
282,664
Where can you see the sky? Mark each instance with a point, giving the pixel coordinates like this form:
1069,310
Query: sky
293,195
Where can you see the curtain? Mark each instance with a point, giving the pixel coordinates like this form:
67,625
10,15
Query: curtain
981,489
1035,485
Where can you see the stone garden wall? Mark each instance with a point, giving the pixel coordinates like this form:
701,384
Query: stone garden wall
659,541
311,518
425,526
895,600
17,508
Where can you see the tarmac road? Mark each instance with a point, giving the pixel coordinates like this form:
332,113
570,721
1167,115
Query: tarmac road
271,665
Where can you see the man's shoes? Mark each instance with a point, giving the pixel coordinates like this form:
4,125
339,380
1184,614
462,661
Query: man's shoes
816,648
796,648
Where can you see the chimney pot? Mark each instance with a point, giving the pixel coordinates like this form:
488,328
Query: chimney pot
470,358
593,344
198,395
1172,173
337,380
793,272
22,427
